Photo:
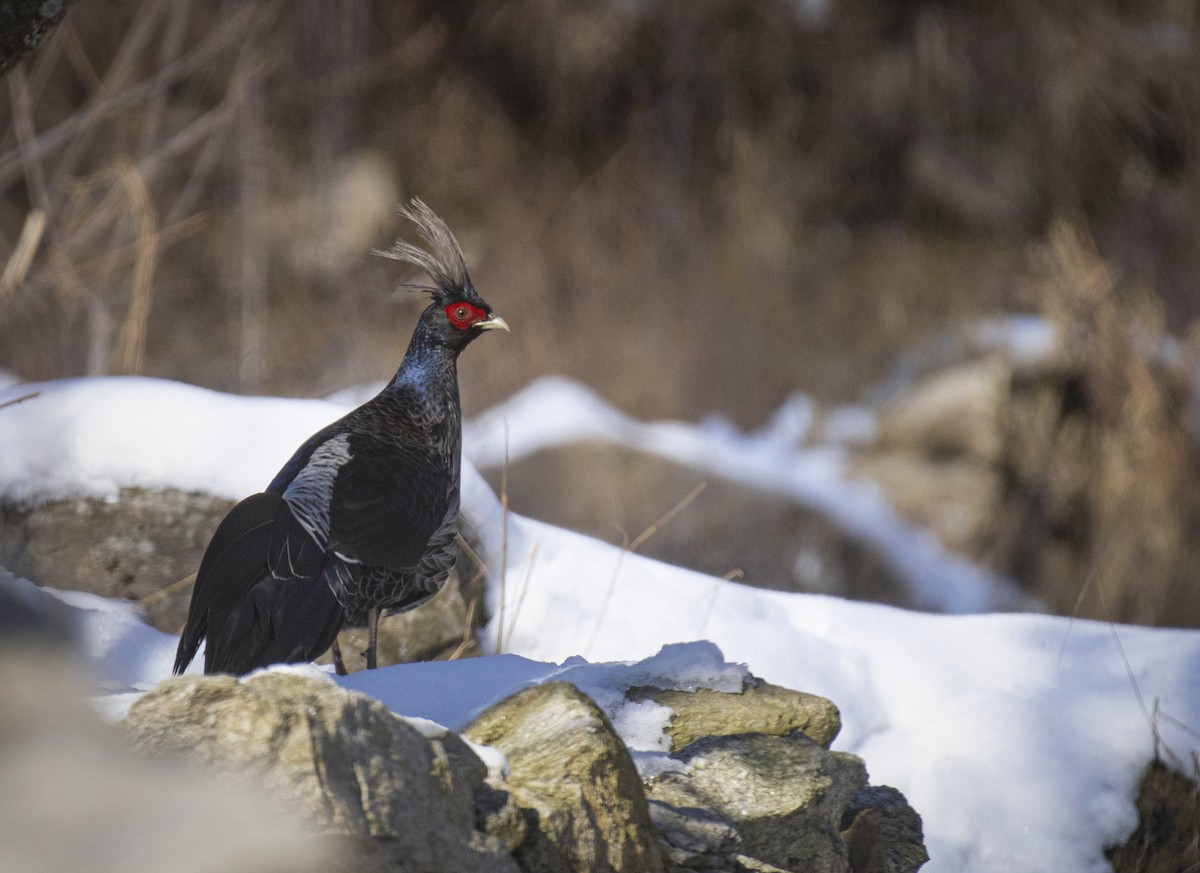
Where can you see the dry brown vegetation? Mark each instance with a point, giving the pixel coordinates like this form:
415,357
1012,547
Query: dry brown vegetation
1100,509
692,205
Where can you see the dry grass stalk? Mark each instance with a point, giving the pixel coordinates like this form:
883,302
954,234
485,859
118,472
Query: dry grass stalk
682,504
526,577
503,581
712,600
17,267
131,343
468,637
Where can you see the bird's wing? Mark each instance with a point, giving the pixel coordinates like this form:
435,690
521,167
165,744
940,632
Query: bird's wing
387,507
260,595
310,490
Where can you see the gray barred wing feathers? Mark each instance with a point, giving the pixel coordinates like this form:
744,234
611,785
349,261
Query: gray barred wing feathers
310,493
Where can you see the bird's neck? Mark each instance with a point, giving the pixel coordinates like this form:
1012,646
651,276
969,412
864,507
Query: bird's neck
428,361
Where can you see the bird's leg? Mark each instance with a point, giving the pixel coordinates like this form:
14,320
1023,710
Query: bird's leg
372,636
339,665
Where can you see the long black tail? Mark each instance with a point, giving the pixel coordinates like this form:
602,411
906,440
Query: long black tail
260,596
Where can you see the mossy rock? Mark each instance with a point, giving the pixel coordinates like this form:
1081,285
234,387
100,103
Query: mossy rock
571,774
760,708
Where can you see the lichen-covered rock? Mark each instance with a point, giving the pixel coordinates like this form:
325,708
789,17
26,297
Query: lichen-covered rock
883,833
760,708
575,780
784,795
401,801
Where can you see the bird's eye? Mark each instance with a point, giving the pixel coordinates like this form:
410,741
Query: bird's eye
464,315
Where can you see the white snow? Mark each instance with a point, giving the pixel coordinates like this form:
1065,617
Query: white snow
1020,738
556,411
94,436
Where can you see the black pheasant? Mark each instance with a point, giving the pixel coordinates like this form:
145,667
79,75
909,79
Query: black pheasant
362,519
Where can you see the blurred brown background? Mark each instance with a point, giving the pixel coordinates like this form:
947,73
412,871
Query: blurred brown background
691,205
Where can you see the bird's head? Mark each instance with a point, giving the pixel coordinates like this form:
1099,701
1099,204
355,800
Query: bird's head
457,314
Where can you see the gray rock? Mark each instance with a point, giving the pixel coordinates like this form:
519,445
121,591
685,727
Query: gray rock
77,798
30,614
746,864
760,708
765,796
140,545
575,780
397,800
615,493
694,839
883,833
784,795
130,548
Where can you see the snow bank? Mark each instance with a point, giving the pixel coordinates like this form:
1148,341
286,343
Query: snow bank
1019,738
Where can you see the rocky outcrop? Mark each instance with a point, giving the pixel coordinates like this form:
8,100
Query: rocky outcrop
744,780
759,789
396,799
749,783
574,780
937,451
145,545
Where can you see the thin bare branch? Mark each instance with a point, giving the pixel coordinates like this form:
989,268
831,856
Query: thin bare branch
526,577
233,31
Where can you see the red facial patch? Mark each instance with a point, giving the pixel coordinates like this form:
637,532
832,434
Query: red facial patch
463,315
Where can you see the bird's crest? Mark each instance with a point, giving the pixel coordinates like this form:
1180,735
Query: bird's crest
444,261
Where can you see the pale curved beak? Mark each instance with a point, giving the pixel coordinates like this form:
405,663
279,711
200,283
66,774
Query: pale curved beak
493,322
